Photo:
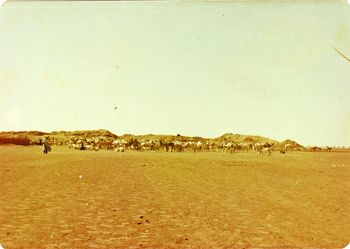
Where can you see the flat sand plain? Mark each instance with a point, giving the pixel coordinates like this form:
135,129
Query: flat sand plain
105,199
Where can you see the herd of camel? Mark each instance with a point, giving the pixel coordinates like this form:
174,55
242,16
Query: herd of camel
121,145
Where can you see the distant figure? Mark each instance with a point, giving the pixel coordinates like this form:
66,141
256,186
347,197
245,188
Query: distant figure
46,146
115,108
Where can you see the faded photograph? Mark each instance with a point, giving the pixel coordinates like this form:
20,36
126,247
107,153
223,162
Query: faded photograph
174,124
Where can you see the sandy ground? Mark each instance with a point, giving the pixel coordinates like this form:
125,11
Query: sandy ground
105,199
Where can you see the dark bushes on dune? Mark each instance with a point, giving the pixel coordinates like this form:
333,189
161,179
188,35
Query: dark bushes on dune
15,140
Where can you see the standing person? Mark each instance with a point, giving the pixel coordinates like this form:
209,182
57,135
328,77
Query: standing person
46,146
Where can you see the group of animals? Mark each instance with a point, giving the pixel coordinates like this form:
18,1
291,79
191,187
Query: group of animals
121,145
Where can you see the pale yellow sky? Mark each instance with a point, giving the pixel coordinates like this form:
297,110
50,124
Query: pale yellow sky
200,69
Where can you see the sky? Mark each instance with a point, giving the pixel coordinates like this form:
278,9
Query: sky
190,68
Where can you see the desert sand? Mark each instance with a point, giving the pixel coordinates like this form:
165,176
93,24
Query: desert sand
104,199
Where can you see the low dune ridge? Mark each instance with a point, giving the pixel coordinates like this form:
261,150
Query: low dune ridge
64,136
241,138
289,143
